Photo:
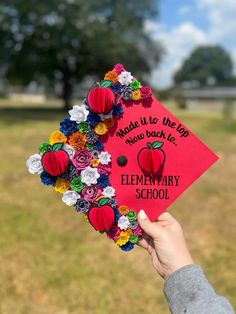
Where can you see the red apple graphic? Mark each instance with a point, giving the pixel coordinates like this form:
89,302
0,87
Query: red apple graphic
55,161
102,218
101,98
151,158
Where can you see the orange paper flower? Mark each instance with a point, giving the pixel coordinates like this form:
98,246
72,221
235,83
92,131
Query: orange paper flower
109,122
123,209
111,76
57,137
77,140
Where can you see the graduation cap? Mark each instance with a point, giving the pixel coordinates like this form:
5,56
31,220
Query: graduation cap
119,152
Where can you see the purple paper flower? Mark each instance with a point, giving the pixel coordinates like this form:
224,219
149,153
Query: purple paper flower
90,193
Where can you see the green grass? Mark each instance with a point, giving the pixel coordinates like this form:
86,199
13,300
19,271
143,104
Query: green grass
51,261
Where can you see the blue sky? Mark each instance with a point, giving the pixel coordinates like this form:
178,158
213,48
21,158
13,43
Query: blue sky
184,25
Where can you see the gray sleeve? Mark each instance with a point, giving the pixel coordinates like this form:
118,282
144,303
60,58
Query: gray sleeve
188,291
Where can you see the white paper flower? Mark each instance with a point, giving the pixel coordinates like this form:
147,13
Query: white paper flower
123,223
70,197
109,191
70,151
125,78
34,165
78,113
89,175
104,158
104,116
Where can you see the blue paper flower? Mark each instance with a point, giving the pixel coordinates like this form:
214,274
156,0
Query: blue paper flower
103,181
98,145
117,213
127,246
47,179
117,110
67,126
93,118
117,88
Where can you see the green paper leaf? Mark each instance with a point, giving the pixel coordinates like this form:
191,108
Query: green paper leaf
57,146
106,83
103,201
156,145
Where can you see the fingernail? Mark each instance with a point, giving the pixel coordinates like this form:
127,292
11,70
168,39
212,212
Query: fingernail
142,214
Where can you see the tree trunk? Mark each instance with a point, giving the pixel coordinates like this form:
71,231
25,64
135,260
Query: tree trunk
67,90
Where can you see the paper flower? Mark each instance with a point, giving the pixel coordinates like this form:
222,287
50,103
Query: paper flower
136,95
104,158
94,163
67,126
83,127
117,88
111,76
90,193
70,151
57,137
109,191
117,110
89,175
122,238
114,233
133,224
104,169
146,92
135,84
127,93
101,128
132,215
133,238
77,140
123,222
93,118
103,181
61,185
118,68
47,179
98,145
78,113
91,136
82,206
127,246
34,165
81,159
76,184
71,173
123,209
125,78
70,197
138,231
104,116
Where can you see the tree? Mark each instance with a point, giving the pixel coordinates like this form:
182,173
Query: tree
64,40
206,65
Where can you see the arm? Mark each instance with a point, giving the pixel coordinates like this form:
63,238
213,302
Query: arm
186,287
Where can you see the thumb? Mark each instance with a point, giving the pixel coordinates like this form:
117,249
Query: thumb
148,227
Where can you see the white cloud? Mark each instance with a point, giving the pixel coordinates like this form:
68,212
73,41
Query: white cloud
185,9
181,39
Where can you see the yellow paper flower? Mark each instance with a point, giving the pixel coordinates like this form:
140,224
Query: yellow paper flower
101,128
77,140
61,185
136,95
111,76
109,122
123,209
57,137
95,162
123,238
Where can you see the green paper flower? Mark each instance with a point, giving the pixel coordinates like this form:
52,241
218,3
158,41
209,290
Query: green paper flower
135,85
83,127
76,184
89,147
133,238
43,147
132,215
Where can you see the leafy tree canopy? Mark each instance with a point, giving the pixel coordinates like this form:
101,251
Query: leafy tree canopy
206,65
65,40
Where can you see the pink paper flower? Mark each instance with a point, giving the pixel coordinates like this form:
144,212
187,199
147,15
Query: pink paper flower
118,68
90,193
81,159
104,169
145,92
113,233
138,231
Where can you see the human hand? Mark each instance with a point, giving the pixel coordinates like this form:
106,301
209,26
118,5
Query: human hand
164,240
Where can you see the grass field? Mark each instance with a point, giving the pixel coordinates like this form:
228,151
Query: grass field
52,262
